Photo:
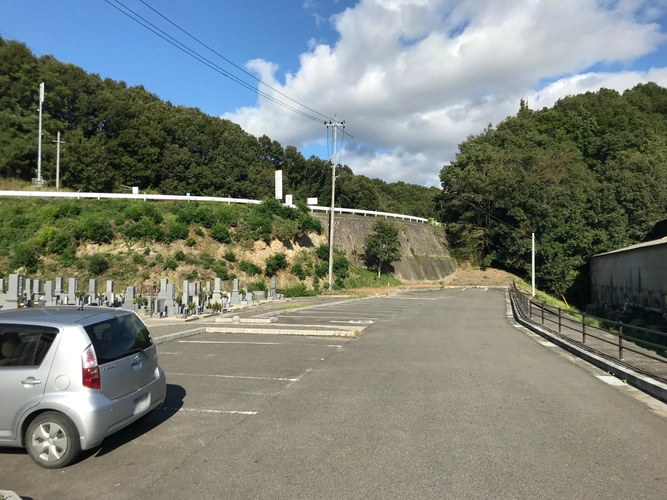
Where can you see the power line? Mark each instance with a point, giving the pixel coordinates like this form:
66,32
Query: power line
231,62
195,55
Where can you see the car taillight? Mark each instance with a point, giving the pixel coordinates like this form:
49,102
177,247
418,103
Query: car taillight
89,368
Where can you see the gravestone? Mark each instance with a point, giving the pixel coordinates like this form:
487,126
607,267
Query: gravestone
92,291
128,302
50,299
12,298
273,291
186,292
27,289
217,290
60,292
170,301
2,286
72,288
235,298
108,295
36,289
162,294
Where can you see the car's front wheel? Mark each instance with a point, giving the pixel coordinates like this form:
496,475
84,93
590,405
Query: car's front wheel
52,440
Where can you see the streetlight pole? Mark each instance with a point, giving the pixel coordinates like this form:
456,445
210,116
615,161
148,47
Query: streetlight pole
58,143
532,267
39,138
335,125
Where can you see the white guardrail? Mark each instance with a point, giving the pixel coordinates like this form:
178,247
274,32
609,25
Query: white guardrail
166,197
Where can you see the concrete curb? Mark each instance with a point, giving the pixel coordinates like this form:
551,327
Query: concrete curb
252,321
642,382
9,495
278,313
178,335
282,331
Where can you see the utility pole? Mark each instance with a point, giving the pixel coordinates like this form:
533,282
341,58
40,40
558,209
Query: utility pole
532,267
58,143
335,125
39,138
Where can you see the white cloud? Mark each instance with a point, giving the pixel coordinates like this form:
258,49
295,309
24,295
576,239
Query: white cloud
413,78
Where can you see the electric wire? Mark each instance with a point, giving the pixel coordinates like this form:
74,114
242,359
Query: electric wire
195,55
229,61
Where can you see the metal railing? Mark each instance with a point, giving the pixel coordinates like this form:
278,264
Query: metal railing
555,315
166,197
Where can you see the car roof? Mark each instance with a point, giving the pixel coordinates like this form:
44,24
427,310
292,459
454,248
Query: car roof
62,316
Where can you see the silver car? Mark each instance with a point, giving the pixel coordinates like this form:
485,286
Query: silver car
69,377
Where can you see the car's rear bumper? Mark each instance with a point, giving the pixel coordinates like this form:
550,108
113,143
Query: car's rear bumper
98,417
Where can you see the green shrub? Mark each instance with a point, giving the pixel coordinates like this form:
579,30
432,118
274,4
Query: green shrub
190,242
338,283
341,266
192,275
299,271
200,232
147,251
171,264
321,269
229,256
257,286
25,255
309,224
139,259
207,260
94,228
159,259
219,232
68,258
322,252
60,242
179,255
275,263
136,211
176,231
299,290
97,264
221,271
230,215
144,229
249,268
45,236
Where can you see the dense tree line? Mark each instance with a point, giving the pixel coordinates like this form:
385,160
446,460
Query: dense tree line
588,175
119,135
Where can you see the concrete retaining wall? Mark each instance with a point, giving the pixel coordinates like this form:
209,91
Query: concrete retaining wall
431,260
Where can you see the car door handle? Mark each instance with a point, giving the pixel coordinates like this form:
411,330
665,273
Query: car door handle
31,381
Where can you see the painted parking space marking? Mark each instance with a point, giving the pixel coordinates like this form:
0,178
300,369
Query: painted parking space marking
255,343
608,379
239,377
220,412
353,322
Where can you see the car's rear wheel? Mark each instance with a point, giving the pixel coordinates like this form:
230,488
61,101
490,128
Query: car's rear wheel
52,440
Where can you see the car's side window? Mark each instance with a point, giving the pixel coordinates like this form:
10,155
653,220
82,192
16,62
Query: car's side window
24,345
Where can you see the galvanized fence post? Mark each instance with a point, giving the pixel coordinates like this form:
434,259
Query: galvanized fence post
583,328
542,307
620,341
559,320
530,307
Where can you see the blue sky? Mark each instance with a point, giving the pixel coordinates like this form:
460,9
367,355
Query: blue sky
406,75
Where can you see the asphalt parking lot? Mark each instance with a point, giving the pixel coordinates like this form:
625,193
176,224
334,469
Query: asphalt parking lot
441,397
215,381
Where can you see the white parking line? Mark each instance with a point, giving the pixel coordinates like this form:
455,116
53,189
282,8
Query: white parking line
241,377
196,410
253,343
163,352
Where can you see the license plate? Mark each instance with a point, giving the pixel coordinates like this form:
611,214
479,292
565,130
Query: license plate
141,404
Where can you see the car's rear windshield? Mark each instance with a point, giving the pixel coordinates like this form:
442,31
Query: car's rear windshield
118,337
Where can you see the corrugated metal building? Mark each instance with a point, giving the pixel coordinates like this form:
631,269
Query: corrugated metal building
636,274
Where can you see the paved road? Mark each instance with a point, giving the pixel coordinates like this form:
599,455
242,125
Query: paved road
443,399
